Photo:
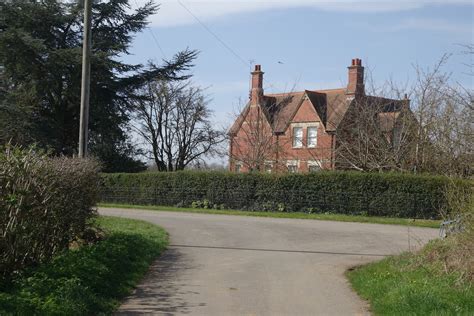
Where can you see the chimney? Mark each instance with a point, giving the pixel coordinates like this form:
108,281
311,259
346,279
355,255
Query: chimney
406,102
355,85
256,92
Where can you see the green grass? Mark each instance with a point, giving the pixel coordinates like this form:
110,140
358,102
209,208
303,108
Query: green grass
326,217
90,280
414,284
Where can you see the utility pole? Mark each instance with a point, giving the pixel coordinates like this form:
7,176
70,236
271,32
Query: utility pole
85,83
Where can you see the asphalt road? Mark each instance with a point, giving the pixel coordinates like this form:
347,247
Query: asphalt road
237,265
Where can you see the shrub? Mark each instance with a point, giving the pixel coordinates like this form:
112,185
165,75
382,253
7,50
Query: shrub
90,280
372,194
45,204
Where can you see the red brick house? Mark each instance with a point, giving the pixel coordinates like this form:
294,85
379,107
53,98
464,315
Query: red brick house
298,131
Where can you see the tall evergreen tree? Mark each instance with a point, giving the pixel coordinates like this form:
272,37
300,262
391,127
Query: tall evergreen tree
40,75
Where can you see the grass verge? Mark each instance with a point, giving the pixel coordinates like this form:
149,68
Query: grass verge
90,280
430,282
325,217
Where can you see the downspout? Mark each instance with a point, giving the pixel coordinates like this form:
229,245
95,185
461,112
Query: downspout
277,153
333,152
230,153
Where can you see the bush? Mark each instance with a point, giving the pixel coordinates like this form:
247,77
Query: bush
45,204
373,194
90,280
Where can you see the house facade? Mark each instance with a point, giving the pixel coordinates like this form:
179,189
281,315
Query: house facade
300,131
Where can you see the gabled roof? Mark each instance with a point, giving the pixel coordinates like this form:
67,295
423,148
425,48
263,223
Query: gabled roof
330,105
337,103
282,108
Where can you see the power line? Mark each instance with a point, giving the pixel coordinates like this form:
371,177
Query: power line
248,65
156,42
154,37
215,36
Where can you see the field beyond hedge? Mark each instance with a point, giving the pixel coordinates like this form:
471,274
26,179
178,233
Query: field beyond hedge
90,280
352,193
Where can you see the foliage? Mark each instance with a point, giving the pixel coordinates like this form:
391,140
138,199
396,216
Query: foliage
310,213
373,194
417,284
205,204
40,64
45,204
438,279
90,280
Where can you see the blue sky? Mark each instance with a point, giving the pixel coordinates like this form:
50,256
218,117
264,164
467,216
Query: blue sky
314,41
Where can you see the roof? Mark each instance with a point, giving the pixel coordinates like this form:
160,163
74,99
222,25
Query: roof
282,108
387,120
331,106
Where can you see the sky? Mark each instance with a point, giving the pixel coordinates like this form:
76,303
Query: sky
304,44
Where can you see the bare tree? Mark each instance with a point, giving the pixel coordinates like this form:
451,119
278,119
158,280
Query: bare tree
375,134
253,142
443,109
435,134
174,120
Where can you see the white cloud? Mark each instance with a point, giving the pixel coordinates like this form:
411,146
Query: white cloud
172,13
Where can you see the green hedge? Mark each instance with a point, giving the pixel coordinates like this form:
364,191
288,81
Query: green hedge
45,204
377,194
90,280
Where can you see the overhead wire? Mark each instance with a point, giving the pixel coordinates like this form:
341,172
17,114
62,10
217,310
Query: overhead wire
153,36
233,52
248,64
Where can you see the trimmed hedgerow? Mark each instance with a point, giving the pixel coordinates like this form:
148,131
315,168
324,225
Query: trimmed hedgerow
376,194
45,204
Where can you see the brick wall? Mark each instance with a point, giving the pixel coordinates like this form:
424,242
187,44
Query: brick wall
278,151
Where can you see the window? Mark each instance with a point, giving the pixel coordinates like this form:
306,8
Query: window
292,166
268,167
238,167
297,137
312,136
314,166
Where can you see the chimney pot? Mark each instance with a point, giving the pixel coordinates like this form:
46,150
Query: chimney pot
355,85
256,92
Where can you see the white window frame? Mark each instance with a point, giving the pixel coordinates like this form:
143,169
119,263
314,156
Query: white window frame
238,167
295,145
268,163
292,163
312,163
315,128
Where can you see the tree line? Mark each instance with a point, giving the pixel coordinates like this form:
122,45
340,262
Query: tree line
40,80
40,74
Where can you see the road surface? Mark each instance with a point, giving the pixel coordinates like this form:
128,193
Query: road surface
238,265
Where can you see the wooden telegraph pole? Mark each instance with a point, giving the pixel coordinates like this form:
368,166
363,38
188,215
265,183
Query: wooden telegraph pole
85,83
